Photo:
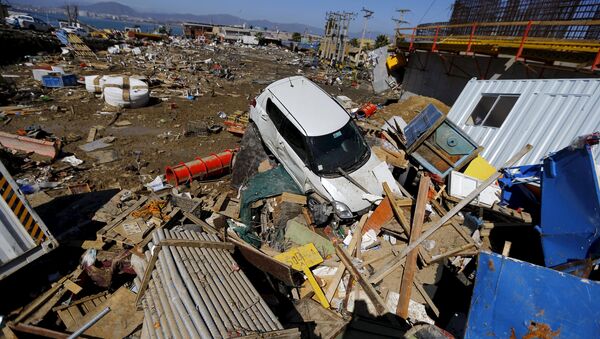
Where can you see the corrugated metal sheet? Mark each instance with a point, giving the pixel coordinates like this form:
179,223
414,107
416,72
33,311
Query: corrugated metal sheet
549,114
23,235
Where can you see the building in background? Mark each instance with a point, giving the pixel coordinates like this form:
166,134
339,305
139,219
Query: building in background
472,11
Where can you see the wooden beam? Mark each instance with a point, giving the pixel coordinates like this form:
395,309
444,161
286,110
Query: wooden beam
335,282
397,211
452,252
205,226
148,273
367,287
443,220
410,266
506,248
37,331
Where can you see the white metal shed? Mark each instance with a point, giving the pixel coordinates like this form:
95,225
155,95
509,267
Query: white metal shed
504,115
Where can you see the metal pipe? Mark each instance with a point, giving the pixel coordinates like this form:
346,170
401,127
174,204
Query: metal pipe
274,322
231,287
153,332
197,261
90,323
148,326
197,322
173,299
249,307
173,323
203,304
157,285
174,287
153,302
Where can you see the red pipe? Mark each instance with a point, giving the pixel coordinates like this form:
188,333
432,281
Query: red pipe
200,168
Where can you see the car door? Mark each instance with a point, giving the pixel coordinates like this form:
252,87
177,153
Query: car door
293,152
269,122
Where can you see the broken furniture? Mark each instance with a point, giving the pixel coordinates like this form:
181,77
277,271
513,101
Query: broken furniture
437,143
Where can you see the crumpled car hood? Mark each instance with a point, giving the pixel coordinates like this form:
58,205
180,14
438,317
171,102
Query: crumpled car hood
371,176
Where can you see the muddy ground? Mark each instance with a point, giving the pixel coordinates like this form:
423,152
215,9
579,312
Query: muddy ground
156,132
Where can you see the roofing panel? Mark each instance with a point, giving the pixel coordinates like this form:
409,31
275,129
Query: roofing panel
549,114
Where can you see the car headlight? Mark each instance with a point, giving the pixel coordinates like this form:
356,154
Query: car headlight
341,210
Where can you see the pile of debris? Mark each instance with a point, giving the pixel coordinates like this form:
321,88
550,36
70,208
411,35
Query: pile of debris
230,245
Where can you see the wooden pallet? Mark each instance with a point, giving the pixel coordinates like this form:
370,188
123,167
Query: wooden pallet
71,315
79,47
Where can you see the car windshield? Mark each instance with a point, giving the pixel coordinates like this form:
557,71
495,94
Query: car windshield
345,149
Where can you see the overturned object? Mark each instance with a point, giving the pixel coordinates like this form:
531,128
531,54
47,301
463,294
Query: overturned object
23,235
125,92
437,143
25,144
200,168
197,290
516,299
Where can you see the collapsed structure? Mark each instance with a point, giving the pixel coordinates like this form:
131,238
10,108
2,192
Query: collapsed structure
201,188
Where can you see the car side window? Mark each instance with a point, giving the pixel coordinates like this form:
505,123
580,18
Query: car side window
275,114
295,139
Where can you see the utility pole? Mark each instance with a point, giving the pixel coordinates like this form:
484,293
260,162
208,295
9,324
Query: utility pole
400,21
368,14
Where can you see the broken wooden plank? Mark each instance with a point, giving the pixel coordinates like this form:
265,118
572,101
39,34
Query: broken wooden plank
452,252
335,282
367,287
506,248
73,287
148,273
205,226
410,265
291,197
444,219
122,319
397,211
37,331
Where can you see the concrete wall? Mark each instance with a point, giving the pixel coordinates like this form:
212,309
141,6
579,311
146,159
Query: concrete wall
443,76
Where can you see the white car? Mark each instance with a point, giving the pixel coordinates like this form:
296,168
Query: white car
320,146
28,22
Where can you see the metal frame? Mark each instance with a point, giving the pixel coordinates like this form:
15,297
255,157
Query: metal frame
13,232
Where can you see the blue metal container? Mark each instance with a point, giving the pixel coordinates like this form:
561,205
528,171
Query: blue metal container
570,214
57,81
513,299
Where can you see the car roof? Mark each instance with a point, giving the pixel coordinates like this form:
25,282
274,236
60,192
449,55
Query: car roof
309,107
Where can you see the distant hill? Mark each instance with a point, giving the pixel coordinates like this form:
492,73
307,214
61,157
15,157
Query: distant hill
116,8
110,7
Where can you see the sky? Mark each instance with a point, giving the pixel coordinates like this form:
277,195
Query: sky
309,12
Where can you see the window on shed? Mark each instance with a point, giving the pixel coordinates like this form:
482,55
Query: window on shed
275,114
492,110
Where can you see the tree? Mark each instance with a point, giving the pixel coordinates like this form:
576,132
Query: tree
354,42
259,35
296,37
382,40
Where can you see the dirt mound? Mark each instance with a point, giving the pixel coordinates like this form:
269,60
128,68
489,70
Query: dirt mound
409,108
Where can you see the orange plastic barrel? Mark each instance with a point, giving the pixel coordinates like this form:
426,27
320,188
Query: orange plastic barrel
200,168
367,110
